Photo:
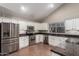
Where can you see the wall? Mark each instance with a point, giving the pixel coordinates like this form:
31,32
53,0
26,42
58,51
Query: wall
66,11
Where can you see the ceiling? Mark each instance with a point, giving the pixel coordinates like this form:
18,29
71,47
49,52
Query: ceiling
33,11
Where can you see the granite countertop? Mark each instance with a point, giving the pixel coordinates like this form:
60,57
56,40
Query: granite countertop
52,34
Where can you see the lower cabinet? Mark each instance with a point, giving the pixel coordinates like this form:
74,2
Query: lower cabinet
23,42
39,38
50,41
57,41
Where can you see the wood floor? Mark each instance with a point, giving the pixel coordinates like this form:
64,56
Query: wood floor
35,50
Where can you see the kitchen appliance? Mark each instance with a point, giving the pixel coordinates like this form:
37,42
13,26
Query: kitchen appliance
9,38
30,29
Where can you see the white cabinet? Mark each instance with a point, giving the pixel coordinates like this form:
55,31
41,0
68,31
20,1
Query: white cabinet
26,41
20,42
37,26
39,38
51,40
72,24
54,41
23,42
77,24
44,26
22,28
68,24
57,41
62,42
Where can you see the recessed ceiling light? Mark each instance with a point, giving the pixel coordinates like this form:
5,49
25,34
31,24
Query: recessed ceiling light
23,8
51,5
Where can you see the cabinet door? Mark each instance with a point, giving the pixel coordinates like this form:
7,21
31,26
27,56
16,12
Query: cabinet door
68,24
74,24
60,42
26,41
22,28
21,43
77,24
56,41
50,40
41,38
37,38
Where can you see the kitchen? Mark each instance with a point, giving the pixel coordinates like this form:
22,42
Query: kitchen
25,29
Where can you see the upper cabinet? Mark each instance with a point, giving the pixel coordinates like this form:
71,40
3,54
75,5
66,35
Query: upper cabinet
72,24
68,24
23,42
22,26
43,26
77,24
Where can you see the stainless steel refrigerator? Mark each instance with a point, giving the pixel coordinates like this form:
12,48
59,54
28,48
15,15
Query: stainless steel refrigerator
9,38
